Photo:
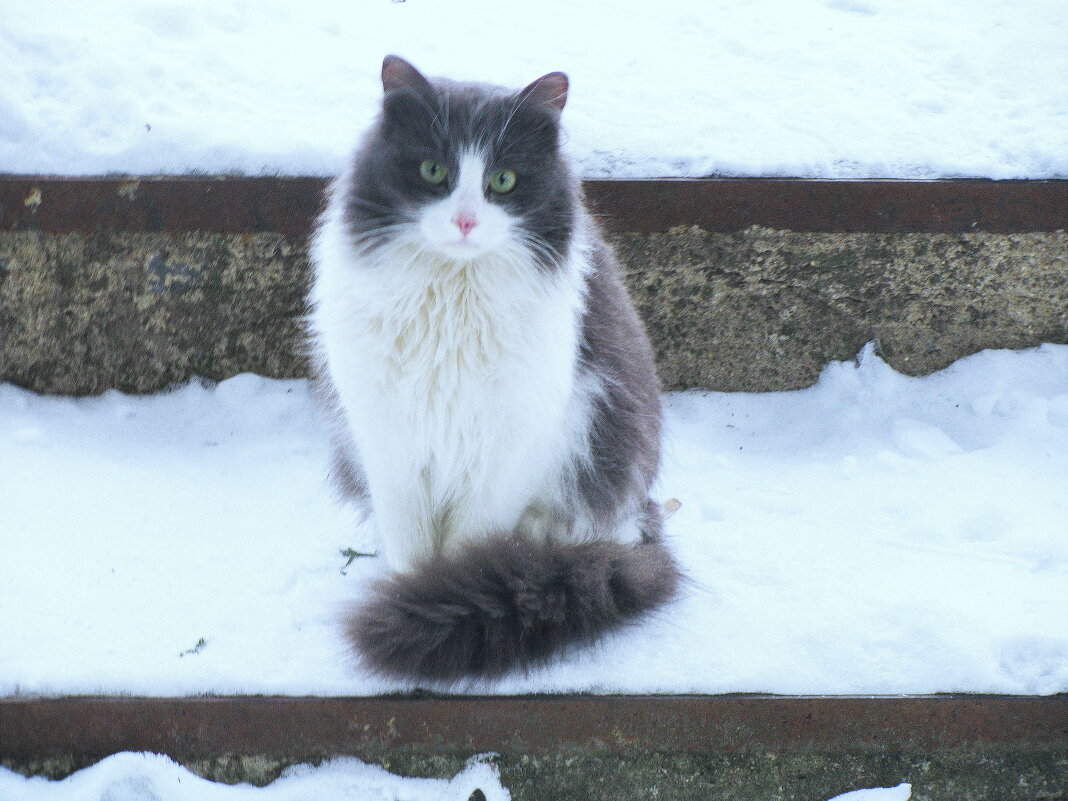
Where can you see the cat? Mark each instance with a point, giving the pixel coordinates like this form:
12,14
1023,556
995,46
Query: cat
492,393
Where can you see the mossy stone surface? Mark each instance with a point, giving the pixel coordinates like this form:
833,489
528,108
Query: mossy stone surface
756,310
138,312
764,310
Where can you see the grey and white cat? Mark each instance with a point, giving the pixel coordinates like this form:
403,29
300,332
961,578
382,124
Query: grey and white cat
493,393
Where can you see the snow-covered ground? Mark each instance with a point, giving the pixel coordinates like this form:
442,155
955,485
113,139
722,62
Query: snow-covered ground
815,88
149,777
874,533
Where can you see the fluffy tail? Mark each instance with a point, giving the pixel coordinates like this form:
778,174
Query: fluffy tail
507,602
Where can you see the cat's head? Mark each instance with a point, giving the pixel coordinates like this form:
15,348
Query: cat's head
465,171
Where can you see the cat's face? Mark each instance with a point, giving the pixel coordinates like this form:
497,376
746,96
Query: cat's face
464,171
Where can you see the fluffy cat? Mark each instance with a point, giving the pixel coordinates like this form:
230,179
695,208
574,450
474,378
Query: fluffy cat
493,394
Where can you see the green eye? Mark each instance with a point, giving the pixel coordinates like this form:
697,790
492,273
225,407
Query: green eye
502,181
433,172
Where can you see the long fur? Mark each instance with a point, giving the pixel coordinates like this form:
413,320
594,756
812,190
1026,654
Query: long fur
505,603
495,411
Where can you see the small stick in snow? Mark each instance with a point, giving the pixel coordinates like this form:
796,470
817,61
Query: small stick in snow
196,649
352,555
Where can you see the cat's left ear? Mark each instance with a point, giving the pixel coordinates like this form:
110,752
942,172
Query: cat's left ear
399,74
548,90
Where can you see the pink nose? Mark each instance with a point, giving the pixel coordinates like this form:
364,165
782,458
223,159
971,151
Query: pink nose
465,222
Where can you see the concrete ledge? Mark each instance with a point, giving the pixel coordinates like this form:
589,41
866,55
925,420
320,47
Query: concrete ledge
139,283
983,748
81,313
279,726
288,205
763,310
754,310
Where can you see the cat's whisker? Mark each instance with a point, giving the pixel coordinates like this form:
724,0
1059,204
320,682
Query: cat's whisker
363,202
385,234
508,120
441,119
539,248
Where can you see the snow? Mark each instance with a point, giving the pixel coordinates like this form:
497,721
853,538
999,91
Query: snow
903,792
149,777
812,88
872,534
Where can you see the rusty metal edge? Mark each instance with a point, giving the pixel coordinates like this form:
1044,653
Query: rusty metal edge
289,205
307,728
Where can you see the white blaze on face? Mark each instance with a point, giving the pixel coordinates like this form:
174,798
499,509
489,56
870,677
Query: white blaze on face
465,225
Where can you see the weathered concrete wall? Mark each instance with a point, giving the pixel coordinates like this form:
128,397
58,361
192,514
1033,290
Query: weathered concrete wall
765,310
587,775
754,310
83,313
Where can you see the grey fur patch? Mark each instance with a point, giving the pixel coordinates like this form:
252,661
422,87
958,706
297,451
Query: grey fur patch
624,432
345,470
507,603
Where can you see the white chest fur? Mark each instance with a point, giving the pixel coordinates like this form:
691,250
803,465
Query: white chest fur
457,380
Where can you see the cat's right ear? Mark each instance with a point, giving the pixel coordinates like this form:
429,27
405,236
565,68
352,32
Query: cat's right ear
399,74
549,90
